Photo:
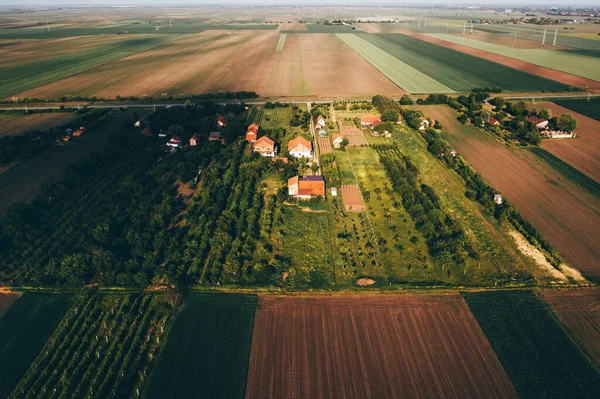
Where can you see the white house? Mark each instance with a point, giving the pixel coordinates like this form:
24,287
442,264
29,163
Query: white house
540,123
321,122
498,199
175,142
300,147
337,141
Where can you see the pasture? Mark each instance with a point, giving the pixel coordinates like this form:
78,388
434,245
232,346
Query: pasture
459,71
555,206
103,347
24,329
207,349
366,346
578,65
405,76
13,125
578,311
538,356
583,153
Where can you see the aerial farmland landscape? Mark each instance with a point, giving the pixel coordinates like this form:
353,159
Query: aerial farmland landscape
306,199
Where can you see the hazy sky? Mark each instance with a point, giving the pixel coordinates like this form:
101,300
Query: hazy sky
307,2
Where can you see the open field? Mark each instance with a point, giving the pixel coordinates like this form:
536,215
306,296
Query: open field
508,40
103,347
361,346
566,217
24,329
20,182
538,356
546,72
589,108
459,71
583,153
307,65
578,311
586,67
535,34
207,349
355,136
13,125
405,76
352,199
23,77
6,301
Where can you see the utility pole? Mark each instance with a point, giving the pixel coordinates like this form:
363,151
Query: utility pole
544,38
515,38
48,26
425,23
555,34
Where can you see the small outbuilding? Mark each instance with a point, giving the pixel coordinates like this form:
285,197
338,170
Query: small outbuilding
498,199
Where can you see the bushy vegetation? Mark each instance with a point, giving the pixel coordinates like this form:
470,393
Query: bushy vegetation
539,357
24,329
104,347
208,349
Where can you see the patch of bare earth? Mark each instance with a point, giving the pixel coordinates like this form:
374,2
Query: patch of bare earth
352,198
324,145
386,346
365,282
354,135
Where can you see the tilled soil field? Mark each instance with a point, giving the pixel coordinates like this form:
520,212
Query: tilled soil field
13,125
579,313
352,199
566,217
388,346
324,145
355,135
6,300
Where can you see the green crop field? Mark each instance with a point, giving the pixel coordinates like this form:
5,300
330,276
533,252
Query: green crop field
461,72
579,65
24,329
208,349
281,42
103,348
531,32
539,357
24,77
405,76
589,108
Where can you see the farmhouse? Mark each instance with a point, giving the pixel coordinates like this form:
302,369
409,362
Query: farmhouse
540,123
175,142
214,136
79,132
321,122
337,141
265,147
194,140
300,147
425,124
252,133
306,187
221,121
494,122
370,121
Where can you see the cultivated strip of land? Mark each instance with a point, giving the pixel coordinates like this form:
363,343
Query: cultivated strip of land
406,77
281,42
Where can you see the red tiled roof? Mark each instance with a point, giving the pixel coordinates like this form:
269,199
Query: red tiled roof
370,119
299,140
337,137
264,139
535,119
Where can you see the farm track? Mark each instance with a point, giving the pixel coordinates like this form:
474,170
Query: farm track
357,347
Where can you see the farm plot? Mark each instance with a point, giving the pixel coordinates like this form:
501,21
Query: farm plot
578,65
548,73
564,215
578,311
281,42
103,347
461,72
534,34
13,125
6,301
538,356
354,135
360,346
353,201
23,77
324,145
24,329
584,152
405,76
207,349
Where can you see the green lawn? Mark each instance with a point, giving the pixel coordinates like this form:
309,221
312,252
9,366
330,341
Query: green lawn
405,76
207,350
23,77
586,67
539,357
461,72
24,329
589,108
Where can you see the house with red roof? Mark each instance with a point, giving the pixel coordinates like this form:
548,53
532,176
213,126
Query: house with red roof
337,140
300,147
252,133
494,122
321,122
370,121
175,142
265,147
194,140
540,123
306,187
221,121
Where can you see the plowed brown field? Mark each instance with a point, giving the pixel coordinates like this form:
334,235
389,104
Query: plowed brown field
409,346
513,63
355,135
582,153
568,218
324,145
579,313
319,65
13,125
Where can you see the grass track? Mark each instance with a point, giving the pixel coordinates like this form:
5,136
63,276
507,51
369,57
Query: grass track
405,76
24,77
579,65
539,357
208,349
461,72
24,329
281,42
